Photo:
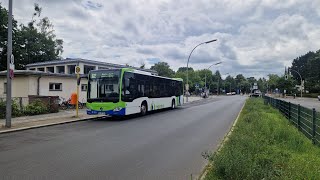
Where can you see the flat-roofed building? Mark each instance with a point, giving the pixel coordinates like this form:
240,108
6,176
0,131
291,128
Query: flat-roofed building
54,78
67,66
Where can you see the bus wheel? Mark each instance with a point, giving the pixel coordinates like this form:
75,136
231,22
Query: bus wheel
143,109
173,104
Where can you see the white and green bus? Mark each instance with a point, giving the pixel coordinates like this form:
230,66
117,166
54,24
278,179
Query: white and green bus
125,91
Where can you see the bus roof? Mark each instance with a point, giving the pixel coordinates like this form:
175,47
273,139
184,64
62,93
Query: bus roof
138,72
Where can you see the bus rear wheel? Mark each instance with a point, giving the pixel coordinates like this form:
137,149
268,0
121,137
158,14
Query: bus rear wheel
143,109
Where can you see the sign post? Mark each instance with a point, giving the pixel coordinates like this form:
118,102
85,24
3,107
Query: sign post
10,61
78,83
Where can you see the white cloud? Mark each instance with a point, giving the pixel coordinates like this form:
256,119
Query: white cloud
253,35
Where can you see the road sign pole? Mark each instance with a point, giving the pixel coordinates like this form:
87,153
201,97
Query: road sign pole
9,53
77,103
77,69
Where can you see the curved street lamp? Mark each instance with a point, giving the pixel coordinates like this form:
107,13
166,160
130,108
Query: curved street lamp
205,74
290,69
187,85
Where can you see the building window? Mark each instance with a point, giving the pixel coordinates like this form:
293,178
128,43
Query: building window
60,69
84,87
71,69
32,69
50,69
5,88
87,69
41,69
55,86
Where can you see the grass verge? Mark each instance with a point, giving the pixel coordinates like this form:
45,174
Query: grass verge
264,145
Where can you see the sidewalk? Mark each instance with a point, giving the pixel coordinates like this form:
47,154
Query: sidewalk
306,102
28,122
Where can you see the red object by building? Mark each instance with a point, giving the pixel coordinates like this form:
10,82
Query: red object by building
74,98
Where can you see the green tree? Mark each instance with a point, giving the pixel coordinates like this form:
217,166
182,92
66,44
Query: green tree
272,83
217,82
33,43
184,69
163,69
286,84
4,37
230,83
308,66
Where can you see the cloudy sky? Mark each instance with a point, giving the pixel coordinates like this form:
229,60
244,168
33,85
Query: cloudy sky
255,37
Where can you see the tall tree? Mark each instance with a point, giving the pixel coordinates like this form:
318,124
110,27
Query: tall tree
33,43
163,69
272,83
4,37
184,69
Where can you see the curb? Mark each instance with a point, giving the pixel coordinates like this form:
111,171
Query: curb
225,139
45,125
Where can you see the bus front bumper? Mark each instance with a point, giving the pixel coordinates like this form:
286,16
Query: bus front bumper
121,112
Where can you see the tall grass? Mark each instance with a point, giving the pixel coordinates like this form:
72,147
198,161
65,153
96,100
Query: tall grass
264,145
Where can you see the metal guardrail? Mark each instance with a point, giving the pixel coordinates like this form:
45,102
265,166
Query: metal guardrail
306,120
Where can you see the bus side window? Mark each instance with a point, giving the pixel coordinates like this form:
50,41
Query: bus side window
173,88
129,88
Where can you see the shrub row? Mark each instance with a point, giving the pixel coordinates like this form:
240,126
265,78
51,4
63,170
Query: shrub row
34,108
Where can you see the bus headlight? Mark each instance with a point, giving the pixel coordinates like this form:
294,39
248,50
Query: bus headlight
117,109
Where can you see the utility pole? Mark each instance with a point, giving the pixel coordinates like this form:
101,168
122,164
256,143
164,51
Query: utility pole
78,83
9,70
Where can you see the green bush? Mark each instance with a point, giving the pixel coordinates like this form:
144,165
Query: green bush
310,95
2,109
35,108
16,112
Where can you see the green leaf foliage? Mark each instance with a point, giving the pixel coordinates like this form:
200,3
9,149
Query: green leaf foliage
32,43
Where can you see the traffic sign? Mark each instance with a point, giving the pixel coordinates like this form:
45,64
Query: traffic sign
11,73
12,59
77,69
187,87
12,62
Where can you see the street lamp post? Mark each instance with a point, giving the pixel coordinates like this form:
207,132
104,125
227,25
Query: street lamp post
300,80
187,85
9,62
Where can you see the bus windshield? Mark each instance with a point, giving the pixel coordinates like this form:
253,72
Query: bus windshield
104,86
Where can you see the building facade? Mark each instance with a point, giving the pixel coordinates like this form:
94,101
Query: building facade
67,66
54,78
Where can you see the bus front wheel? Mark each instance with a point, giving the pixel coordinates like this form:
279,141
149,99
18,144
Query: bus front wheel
143,109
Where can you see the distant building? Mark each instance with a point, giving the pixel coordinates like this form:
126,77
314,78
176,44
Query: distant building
54,78
67,66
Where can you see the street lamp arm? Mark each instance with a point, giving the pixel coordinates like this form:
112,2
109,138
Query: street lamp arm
192,52
300,81
214,64
297,73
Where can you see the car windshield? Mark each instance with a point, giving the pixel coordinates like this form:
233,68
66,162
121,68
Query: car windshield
104,85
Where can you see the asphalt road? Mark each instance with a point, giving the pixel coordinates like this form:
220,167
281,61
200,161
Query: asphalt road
163,145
